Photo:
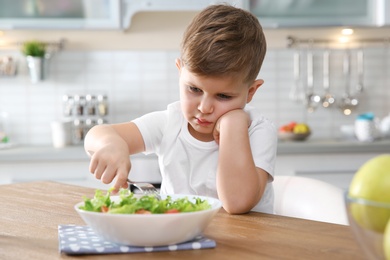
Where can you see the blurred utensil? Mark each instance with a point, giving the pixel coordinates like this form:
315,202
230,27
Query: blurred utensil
312,99
328,99
348,102
360,70
296,92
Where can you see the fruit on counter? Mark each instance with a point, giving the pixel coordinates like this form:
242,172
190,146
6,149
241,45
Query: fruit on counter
386,241
372,182
294,127
288,127
301,129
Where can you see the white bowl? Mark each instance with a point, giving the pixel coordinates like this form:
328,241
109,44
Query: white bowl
151,229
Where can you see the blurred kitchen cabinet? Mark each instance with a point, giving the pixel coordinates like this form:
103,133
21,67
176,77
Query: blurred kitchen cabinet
130,7
312,13
25,171
88,14
60,14
335,168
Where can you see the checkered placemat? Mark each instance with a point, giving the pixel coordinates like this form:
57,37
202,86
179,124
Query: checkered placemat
82,240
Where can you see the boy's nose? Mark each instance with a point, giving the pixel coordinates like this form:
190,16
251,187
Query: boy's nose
205,106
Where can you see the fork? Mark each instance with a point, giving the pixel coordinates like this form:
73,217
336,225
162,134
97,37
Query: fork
145,188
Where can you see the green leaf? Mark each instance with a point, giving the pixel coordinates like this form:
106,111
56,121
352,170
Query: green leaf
34,48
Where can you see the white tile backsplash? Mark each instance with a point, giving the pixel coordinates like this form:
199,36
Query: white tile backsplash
138,82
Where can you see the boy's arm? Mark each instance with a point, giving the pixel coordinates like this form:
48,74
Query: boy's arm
240,184
110,147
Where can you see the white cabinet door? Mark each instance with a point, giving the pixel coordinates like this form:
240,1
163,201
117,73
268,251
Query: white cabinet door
337,169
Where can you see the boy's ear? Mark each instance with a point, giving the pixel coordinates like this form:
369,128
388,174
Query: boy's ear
178,64
253,88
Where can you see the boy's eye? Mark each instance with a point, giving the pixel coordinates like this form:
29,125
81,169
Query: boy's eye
224,96
195,89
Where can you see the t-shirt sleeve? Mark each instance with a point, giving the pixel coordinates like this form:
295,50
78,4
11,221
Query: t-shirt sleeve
152,127
263,138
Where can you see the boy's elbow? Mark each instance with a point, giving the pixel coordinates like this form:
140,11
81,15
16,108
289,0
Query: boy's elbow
236,209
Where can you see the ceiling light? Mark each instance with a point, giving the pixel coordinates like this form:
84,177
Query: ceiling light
347,31
343,39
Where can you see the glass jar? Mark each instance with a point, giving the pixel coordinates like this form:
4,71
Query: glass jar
90,105
102,105
68,104
79,104
101,121
78,131
89,123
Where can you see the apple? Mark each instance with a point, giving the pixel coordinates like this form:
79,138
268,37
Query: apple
372,182
301,129
386,241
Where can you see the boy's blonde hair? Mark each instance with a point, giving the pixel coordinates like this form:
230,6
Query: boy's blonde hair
224,40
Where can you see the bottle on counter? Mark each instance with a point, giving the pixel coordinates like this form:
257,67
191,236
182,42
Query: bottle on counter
365,127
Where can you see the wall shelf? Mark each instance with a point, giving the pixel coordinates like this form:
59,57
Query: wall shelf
52,46
294,42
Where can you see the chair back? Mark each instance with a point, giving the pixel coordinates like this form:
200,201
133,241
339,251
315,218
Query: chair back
308,198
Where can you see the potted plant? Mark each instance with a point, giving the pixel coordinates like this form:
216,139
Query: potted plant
35,52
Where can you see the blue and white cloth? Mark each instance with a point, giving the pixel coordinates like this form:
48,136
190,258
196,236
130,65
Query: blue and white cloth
82,240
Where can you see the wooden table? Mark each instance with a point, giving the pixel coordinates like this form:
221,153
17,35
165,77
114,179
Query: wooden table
31,213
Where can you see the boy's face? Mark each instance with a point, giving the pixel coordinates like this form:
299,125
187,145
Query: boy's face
205,99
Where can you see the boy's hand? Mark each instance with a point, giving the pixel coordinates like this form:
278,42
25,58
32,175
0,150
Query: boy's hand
109,162
236,116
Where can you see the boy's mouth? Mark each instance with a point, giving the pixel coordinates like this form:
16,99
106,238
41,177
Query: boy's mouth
203,122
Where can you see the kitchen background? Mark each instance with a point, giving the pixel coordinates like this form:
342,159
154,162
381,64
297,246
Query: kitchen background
140,81
134,67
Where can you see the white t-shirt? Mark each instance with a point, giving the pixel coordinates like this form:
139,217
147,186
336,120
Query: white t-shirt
189,166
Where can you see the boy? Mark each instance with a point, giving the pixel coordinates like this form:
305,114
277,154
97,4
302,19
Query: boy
209,143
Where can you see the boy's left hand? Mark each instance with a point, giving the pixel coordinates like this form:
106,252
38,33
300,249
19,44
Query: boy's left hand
236,116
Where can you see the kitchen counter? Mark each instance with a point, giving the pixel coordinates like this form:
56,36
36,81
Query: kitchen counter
332,146
32,153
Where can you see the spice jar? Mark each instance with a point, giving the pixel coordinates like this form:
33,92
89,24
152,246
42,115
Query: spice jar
90,105
101,121
68,103
89,123
78,131
79,104
102,105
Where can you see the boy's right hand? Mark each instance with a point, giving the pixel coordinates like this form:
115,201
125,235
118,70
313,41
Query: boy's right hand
111,162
